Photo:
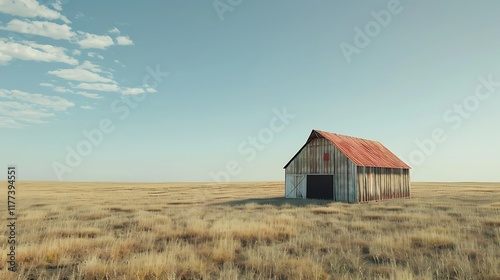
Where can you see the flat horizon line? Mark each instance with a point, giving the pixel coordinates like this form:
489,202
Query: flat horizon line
205,182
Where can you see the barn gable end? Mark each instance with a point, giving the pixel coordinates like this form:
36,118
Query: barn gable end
320,157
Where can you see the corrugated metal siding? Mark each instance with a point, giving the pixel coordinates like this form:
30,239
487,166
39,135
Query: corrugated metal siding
310,160
363,152
375,183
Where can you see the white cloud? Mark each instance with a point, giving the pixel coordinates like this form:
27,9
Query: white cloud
124,41
93,41
45,48
77,52
30,9
133,91
4,59
40,28
62,90
66,90
89,95
80,75
32,51
79,15
18,108
114,31
90,66
19,112
8,122
49,102
57,5
98,87
64,32
86,107
119,63
93,54
87,65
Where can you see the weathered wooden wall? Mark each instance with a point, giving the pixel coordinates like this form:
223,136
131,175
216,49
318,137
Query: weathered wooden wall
377,183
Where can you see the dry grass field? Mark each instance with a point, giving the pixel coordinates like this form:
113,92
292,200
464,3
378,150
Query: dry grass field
246,231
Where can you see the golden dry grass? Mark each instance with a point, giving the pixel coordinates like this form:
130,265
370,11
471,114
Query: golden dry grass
245,231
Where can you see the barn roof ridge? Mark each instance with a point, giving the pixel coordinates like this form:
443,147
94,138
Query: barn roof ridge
345,135
362,152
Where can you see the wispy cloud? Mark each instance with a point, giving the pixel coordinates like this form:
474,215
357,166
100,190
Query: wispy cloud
89,41
89,95
8,122
46,85
39,19
50,102
57,5
93,54
64,32
79,15
119,63
114,31
98,87
19,113
41,28
10,50
61,89
80,75
124,41
19,108
31,9
133,91
90,66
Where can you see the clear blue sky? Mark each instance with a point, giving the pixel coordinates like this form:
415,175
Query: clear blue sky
192,91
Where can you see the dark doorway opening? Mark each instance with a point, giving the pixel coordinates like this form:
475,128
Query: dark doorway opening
320,186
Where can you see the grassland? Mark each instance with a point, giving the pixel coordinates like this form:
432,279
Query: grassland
245,231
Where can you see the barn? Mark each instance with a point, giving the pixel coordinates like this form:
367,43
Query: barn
347,169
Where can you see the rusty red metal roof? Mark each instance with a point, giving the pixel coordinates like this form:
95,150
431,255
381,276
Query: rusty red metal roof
362,152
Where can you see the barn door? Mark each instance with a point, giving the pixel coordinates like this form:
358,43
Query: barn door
320,186
295,186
